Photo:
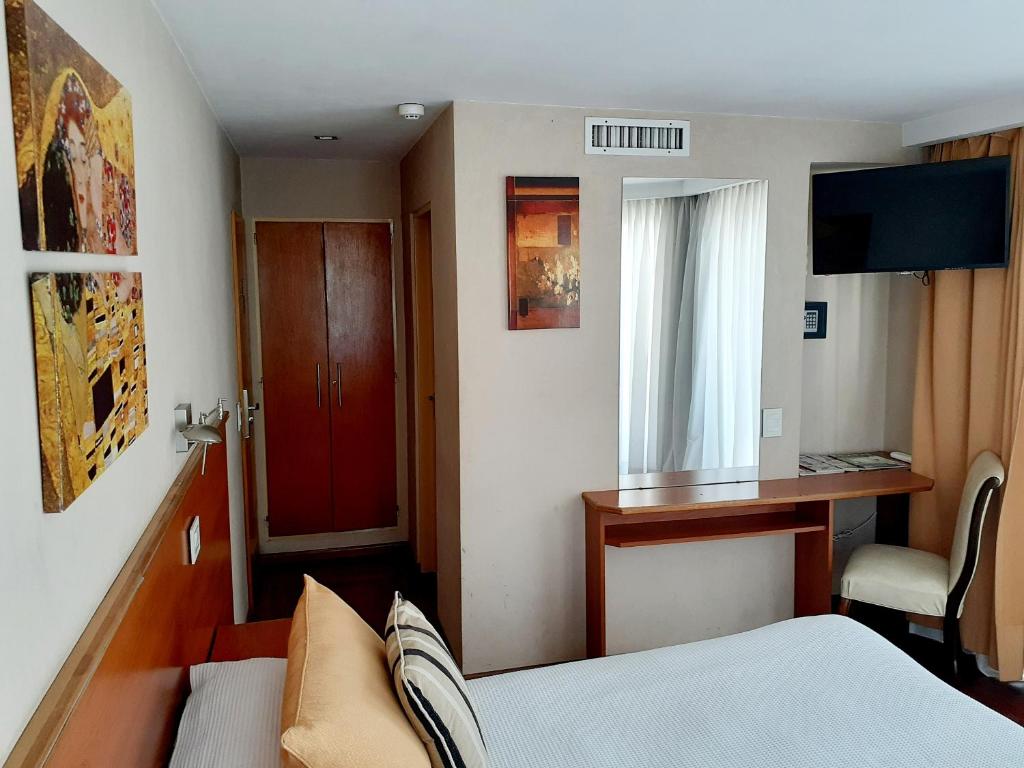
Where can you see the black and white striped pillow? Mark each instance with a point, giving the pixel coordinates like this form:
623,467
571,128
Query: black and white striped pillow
432,690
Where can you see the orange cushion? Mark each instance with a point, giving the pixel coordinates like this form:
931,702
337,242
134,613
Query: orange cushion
339,708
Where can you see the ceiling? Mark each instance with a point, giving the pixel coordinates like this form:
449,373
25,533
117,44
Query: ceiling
278,72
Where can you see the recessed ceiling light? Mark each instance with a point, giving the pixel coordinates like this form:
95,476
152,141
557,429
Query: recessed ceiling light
325,137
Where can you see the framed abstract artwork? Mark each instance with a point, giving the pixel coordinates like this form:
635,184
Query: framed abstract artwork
73,139
90,353
543,222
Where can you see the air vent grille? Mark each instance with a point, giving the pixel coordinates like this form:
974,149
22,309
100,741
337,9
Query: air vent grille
626,136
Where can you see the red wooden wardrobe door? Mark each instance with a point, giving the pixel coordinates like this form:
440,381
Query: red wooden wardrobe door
293,325
360,314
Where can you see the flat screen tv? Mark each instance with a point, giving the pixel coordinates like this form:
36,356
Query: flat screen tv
912,218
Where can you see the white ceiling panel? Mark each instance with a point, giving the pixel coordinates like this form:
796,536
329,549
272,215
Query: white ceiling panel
278,72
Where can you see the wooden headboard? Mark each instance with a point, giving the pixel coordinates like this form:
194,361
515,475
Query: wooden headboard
117,699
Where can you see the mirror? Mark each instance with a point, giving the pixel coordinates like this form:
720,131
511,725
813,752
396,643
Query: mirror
691,311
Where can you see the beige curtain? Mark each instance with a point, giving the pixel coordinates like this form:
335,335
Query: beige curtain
970,368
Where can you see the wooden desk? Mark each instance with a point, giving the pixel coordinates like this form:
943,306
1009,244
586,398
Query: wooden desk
802,506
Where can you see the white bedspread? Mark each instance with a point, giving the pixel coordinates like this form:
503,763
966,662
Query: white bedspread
820,692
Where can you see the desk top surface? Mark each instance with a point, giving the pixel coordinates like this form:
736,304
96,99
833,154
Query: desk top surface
848,485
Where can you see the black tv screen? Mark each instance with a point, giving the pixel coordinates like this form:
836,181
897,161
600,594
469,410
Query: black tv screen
913,218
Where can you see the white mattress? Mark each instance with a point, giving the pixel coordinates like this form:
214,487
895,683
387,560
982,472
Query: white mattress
820,692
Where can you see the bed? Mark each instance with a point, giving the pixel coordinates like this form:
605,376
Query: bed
806,693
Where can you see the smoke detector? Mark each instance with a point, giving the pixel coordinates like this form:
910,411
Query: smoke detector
410,111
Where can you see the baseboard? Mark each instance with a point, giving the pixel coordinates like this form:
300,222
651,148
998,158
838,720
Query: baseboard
335,553
929,632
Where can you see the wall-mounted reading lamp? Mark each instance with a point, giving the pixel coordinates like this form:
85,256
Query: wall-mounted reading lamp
201,433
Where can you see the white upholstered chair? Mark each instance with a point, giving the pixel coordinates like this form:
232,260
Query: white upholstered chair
920,582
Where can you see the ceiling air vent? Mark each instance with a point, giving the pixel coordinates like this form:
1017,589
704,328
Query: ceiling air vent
625,136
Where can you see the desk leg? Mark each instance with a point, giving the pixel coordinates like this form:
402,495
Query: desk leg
812,585
893,522
596,626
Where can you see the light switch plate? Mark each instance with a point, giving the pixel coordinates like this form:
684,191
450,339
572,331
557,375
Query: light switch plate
193,541
771,422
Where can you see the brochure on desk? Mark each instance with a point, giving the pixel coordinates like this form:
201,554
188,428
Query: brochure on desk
836,463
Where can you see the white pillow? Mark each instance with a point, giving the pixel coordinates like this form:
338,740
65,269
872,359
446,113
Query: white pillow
232,718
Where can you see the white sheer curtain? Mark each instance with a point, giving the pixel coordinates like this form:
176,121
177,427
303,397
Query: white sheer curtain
690,335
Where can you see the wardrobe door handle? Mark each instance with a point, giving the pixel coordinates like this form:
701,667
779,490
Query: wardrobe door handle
318,385
338,371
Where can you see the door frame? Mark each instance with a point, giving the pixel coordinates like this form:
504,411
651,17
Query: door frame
393,534
422,531
243,333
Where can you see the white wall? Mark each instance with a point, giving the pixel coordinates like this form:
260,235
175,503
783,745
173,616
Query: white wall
858,383
538,409
428,179
972,120
905,295
844,375
289,188
55,569
292,188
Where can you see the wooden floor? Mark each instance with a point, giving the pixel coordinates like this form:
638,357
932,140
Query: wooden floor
368,578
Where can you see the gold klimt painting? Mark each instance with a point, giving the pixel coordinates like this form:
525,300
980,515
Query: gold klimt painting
543,222
73,138
90,346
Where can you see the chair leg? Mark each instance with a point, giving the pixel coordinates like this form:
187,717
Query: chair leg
951,641
844,606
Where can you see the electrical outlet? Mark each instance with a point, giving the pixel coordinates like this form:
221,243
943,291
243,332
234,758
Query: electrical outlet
193,541
771,422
